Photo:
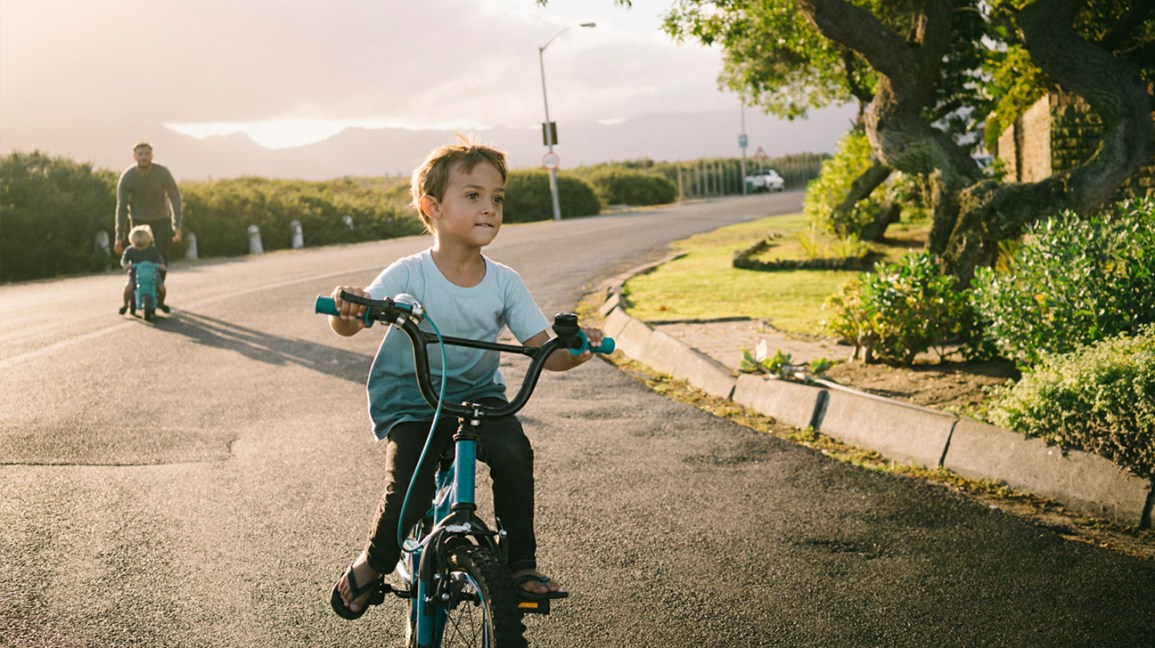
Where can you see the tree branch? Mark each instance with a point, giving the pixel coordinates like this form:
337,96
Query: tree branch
1111,86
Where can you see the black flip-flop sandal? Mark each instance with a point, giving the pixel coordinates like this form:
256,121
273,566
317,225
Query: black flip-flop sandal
357,591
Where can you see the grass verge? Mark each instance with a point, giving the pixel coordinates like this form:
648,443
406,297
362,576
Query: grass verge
703,285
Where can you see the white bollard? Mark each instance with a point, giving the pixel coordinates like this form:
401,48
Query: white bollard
348,220
190,246
101,242
255,240
298,235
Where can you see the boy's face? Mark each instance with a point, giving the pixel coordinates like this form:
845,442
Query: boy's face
470,212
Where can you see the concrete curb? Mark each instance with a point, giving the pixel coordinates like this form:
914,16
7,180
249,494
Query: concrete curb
900,431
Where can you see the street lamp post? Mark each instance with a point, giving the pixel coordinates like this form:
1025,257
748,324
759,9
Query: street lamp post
548,125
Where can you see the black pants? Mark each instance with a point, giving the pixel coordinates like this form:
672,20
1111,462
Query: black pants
503,446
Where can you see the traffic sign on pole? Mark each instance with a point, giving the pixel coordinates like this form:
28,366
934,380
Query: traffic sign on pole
549,161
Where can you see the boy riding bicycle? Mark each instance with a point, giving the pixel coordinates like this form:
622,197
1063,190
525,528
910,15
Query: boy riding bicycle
458,193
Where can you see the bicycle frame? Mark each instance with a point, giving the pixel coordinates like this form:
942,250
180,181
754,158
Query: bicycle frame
453,514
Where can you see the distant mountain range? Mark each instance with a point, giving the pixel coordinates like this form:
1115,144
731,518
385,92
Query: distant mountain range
395,151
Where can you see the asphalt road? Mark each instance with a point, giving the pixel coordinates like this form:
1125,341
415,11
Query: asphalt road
203,481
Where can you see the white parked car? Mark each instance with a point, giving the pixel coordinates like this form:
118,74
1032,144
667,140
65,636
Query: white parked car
765,180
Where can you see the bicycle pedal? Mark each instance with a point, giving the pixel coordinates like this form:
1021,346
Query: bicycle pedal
536,605
378,597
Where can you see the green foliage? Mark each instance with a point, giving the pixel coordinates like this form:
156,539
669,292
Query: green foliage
527,197
50,211
1098,398
219,212
833,184
772,55
913,193
1073,280
1016,83
616,186
899,310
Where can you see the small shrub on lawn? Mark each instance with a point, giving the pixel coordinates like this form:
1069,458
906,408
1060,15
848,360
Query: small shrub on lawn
1099,398
899,310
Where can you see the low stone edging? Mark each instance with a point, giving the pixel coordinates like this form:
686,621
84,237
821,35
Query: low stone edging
900,431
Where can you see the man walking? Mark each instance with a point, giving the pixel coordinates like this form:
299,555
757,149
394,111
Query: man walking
147,195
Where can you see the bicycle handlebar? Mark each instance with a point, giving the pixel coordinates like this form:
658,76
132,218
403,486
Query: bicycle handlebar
404,312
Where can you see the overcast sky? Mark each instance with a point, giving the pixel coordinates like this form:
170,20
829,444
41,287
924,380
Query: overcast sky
224,65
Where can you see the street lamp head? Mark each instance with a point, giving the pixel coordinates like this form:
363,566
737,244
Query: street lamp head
587,24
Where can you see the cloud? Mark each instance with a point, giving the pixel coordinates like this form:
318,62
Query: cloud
433,63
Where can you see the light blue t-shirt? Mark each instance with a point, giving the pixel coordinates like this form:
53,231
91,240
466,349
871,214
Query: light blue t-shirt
479,312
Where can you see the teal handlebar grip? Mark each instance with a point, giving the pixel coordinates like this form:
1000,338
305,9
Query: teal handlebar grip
325,306
607,345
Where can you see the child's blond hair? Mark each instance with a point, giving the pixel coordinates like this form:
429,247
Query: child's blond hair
431,178
140,237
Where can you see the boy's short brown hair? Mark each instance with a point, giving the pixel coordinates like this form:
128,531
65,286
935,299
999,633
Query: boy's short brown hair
432,176
140,145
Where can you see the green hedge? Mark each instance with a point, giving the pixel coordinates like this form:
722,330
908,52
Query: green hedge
528,197
621,186
51,209
1072,281
220,212
1099,398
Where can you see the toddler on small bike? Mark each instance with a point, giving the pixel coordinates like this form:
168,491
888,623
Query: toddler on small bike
146,268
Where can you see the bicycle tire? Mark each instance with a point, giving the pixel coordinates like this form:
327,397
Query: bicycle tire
482,610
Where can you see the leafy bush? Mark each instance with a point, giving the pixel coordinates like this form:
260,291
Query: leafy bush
899,310
219,212
527,197
50,211
1072,281
828,191
618,186
1099,398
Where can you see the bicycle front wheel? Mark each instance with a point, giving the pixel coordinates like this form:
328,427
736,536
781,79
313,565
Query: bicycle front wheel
482,610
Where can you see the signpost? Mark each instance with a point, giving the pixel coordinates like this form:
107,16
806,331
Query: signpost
550,161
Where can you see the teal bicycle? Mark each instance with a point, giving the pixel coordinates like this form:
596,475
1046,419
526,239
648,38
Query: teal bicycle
453,569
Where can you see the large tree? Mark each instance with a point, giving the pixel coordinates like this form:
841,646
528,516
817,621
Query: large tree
934,67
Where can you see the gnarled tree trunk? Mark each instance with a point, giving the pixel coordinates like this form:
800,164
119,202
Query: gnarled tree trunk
972,214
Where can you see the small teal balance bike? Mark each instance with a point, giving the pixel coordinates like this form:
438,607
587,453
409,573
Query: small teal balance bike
145,275
453,570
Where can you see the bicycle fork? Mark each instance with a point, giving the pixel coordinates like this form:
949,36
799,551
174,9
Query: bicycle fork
454,504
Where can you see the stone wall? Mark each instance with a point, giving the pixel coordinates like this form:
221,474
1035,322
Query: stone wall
1057,134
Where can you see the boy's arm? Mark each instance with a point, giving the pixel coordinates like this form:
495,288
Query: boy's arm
348,322
562,359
